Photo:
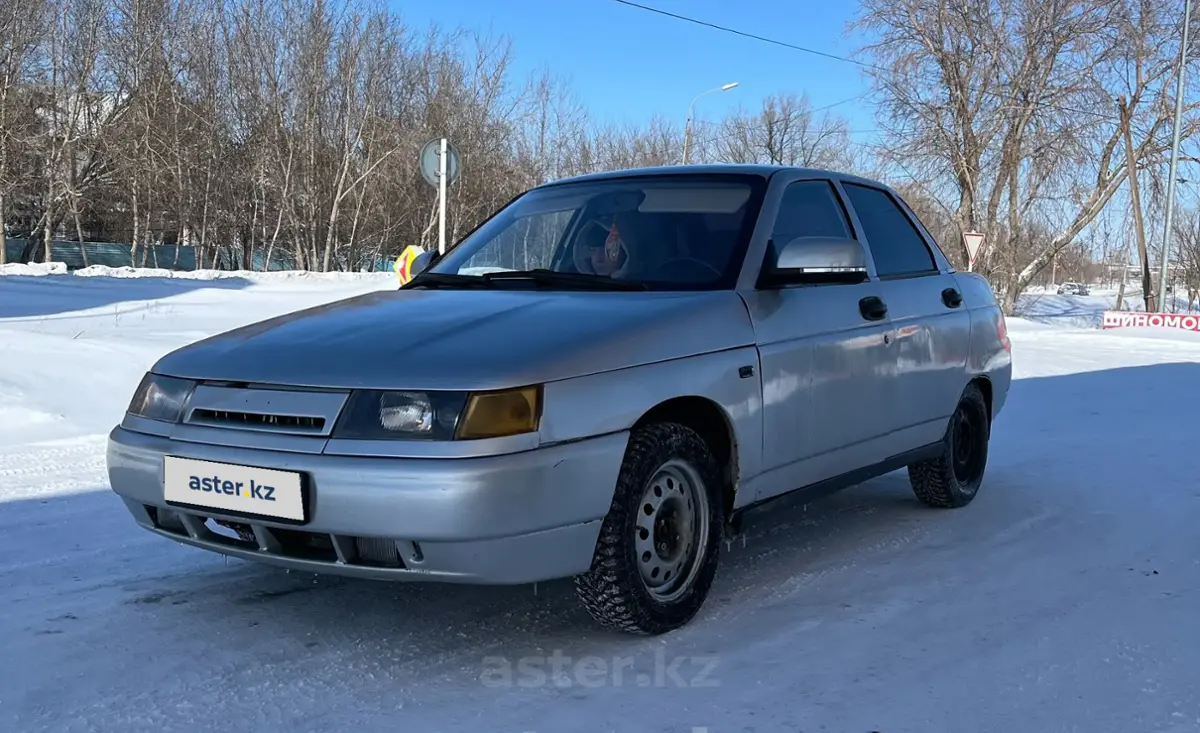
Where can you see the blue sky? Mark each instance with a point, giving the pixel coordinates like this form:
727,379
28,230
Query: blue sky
638,63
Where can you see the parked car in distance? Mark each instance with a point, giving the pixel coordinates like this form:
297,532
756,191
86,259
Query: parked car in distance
1073,289
600,382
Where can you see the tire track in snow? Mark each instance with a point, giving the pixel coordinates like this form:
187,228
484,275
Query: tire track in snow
53,468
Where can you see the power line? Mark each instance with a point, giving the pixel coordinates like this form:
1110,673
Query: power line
855,98
757,125
754,125
736,127
836,57
764,39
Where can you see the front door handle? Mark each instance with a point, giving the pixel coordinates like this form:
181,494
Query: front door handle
872,308
951,297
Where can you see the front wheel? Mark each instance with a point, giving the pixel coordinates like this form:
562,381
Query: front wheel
659,545
952,480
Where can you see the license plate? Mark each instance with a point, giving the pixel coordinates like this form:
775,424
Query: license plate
246,490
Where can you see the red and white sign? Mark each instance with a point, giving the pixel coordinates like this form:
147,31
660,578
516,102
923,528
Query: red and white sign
974,243
1129,319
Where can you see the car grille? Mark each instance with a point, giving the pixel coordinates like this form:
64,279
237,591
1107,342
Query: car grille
230,418
289,411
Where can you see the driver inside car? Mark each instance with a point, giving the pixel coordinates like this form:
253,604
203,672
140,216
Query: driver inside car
601,250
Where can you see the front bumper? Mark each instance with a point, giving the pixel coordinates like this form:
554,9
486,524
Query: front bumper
507,519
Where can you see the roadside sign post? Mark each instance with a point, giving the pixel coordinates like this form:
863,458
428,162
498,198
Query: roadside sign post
440,167
974,243
442,199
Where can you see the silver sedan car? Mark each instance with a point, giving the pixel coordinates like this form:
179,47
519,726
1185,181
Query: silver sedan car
600,382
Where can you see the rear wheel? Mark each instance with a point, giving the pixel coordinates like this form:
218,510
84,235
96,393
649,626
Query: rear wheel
952,480
659,545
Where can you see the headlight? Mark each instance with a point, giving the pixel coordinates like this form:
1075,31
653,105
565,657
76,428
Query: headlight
161,398
412,415
374,415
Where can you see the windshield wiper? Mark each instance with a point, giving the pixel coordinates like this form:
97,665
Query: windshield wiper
442,279
571,279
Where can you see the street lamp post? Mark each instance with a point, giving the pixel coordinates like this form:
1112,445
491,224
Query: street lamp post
687,129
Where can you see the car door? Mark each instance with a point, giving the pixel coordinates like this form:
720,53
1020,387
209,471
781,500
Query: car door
924,301
821,349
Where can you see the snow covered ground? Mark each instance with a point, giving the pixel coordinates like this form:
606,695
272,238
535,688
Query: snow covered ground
1063,599
1083,311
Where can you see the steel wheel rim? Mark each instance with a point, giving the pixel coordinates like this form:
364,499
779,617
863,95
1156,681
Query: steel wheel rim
966,455
671,530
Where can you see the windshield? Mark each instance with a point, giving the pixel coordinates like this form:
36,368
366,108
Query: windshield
671,232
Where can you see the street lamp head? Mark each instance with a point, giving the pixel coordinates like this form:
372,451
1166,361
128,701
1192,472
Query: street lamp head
687,129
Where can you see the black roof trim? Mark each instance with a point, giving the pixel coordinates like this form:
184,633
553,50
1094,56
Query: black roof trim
761,170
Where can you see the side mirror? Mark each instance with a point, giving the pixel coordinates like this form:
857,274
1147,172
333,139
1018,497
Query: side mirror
421,263
817,260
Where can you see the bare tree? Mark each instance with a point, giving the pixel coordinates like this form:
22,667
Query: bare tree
1007,106
22,30
554,130
74,112
785,131
1187,239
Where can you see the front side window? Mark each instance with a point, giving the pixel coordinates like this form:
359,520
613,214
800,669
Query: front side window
809,209
671,232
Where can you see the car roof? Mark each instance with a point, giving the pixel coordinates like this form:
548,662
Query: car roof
745,169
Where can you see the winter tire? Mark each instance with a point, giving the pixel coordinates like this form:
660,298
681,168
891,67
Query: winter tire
659,545
952,480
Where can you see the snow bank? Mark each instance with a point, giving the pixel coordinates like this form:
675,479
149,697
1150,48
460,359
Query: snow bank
60,268
34,268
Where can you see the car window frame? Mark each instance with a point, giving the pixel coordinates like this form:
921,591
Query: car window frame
757,255
937,257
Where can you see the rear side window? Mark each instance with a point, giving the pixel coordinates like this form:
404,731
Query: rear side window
809,209
895,243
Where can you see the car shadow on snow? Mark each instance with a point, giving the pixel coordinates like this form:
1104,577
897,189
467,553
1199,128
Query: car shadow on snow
1067,435
29,297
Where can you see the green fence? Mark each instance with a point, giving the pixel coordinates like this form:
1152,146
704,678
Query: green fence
110,254
163,256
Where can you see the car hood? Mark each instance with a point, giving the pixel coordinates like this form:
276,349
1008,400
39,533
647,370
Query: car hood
466,339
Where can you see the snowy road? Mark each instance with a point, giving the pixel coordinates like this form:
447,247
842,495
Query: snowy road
1063,599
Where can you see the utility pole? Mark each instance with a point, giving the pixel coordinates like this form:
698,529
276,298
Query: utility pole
1166,248
1135,200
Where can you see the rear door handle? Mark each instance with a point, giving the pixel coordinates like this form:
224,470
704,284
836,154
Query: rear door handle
951,297
872,308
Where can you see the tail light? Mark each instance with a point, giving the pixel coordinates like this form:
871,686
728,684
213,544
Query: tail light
1002,332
